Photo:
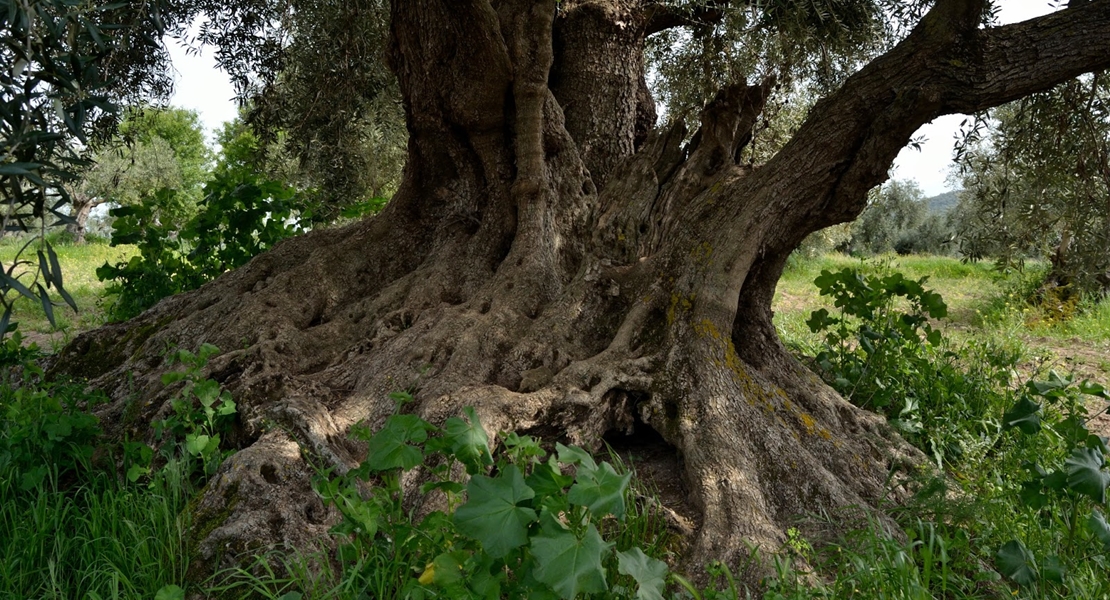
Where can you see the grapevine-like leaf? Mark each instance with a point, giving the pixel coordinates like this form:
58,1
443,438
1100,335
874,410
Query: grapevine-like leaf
170,592
601,490
1025,415
195,443
648,572
569,564
492,514
573,455
1015,561
468,441
1099,527
547,480
1085,474
390,448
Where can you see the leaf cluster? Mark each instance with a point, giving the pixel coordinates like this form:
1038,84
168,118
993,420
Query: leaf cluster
525,524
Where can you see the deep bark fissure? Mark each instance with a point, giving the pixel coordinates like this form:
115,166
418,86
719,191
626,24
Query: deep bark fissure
505,277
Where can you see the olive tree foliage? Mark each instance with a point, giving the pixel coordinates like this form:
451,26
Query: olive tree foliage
318,88
1036,175
67,66
806,48
156,149
897,219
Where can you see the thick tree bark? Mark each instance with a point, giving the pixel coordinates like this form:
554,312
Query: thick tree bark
504,277
82,208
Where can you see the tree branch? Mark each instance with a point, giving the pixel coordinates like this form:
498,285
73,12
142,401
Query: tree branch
660,17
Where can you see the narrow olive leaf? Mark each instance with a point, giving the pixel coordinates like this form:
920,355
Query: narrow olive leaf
47,305
44,268
1015,561
15,284
5,321
65,295
55,265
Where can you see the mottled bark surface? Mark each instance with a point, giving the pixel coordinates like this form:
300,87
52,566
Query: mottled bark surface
504,277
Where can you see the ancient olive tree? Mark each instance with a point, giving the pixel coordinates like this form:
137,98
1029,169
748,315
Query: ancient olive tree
554,262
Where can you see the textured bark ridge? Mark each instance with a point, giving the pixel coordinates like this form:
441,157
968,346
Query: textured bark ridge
503,276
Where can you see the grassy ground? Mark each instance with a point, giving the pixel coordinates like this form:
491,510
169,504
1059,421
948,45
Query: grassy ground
981,302
79,264
99,537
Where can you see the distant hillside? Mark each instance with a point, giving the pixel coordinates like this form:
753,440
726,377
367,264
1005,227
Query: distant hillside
942,203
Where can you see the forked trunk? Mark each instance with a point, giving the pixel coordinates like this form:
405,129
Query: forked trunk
504,277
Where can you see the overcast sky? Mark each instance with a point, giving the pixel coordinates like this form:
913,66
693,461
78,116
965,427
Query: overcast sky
205,89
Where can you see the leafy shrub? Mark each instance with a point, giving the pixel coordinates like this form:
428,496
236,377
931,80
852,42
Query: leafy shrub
242,215
45,428
526,528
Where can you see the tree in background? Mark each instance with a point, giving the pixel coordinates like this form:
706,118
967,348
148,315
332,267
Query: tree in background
1036,175
157,149
555,262
898,219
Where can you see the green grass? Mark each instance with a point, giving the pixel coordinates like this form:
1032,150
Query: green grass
79,264
99,539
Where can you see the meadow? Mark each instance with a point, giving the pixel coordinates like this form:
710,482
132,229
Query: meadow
1003,401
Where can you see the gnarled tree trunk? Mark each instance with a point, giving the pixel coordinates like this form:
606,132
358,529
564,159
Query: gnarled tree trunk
503,276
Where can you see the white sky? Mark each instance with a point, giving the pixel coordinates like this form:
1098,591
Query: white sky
205,89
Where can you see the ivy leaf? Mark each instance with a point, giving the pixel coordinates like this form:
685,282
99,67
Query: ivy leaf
468,441
648,572
1015,561
491,514
1085,474
601,490
1025,415
569,564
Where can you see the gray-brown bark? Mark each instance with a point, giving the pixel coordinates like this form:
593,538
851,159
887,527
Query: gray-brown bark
502,277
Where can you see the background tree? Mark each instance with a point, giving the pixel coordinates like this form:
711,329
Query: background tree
1036,175
898,219
566,272
158,148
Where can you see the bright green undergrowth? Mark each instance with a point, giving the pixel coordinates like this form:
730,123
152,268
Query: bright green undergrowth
1014,508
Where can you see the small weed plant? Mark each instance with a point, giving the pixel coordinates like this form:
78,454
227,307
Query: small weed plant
531,524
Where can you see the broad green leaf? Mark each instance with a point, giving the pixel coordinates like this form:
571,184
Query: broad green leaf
573,455
411,428
648,572
1085,474
601,490
491,514
547,480
388,450
1025,415
1015,561
1098,526
196,443
170,592
1054,569
468,441
206,391
1032,494
448,568
570,565
1093,389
